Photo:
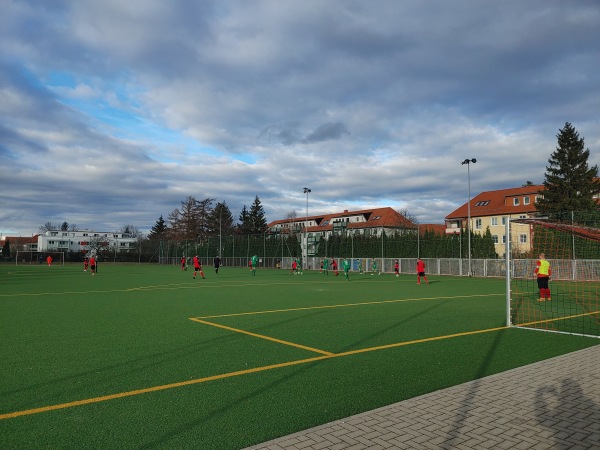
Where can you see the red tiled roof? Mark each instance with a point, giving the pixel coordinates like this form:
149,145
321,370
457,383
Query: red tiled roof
17,241
375,218
491,203
432,227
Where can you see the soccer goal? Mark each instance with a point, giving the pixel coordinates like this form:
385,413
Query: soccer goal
30,257
572,247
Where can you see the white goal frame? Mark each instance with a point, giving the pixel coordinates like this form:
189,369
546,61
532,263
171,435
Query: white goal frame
30,257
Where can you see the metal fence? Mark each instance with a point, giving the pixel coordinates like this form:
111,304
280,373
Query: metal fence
579,270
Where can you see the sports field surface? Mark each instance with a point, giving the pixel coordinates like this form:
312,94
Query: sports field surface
145,356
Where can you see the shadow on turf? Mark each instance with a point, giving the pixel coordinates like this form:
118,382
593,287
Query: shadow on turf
299,371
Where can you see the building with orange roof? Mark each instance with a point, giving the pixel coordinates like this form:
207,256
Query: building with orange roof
366,222
492,208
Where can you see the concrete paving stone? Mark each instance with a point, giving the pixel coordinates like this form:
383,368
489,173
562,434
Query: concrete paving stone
321,445
553,404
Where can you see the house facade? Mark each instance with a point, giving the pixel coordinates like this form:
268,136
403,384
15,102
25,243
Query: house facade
85,241
492,209
366,222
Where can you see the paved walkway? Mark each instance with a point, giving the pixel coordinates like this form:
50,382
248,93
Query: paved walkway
553,404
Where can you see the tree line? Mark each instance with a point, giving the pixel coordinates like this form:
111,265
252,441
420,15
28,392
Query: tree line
197,220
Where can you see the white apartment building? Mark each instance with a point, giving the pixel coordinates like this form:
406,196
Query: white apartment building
85,241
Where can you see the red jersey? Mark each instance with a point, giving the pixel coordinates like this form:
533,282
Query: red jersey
420,266
196,262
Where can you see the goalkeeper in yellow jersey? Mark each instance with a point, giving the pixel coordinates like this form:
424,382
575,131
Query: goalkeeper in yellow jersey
543,272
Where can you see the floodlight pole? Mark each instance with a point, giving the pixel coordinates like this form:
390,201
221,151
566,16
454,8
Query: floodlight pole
305,262
468,163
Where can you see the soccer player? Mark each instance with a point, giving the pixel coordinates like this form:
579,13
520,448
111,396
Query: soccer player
183,263
294,267
217,263
543,273
326,266
197,266
374,267
49,260
360,269
397,268
334,266
346,268
254,262
93,264
86,263
421,271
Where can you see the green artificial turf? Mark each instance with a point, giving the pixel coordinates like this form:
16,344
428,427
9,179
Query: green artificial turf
234,360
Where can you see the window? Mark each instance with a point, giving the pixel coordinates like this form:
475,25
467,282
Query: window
526,200
482,203
495,238
523,238
478,224
494,222
504,239
516,201
504,221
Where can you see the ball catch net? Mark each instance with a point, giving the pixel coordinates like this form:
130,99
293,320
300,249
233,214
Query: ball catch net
572,247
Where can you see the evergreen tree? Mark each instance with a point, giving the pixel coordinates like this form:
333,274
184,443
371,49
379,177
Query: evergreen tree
570,185
258,221
220,221
159,230
6,249
244,225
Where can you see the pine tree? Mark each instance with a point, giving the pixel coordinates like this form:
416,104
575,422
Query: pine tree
6,249
159,230
244,225
570,185
220,221
258,221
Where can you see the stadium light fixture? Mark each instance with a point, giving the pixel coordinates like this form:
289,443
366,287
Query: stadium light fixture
468,163
305,262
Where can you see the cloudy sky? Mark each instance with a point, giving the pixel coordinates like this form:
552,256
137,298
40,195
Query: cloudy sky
113,112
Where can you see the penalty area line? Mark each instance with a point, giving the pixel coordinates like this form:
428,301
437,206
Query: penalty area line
164,387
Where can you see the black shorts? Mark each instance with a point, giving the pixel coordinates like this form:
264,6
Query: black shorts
421,274
542,282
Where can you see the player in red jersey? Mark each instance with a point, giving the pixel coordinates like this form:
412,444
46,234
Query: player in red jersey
421,271
197,266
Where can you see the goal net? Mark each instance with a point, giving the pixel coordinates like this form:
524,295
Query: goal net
29,257
572,247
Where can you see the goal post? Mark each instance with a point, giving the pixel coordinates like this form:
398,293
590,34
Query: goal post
28,257
572,248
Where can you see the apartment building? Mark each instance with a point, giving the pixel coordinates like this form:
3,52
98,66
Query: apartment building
84,241
366,222
491,209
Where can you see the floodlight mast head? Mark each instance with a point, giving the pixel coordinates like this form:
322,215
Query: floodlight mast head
306,190
469,161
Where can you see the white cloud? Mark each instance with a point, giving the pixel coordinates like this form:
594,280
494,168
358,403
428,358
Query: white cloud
116,111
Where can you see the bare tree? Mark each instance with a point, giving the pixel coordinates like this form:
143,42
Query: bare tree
48,226
131,231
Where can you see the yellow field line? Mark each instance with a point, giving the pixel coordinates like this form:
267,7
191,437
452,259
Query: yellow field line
155,388
262,336
345,305
230,375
